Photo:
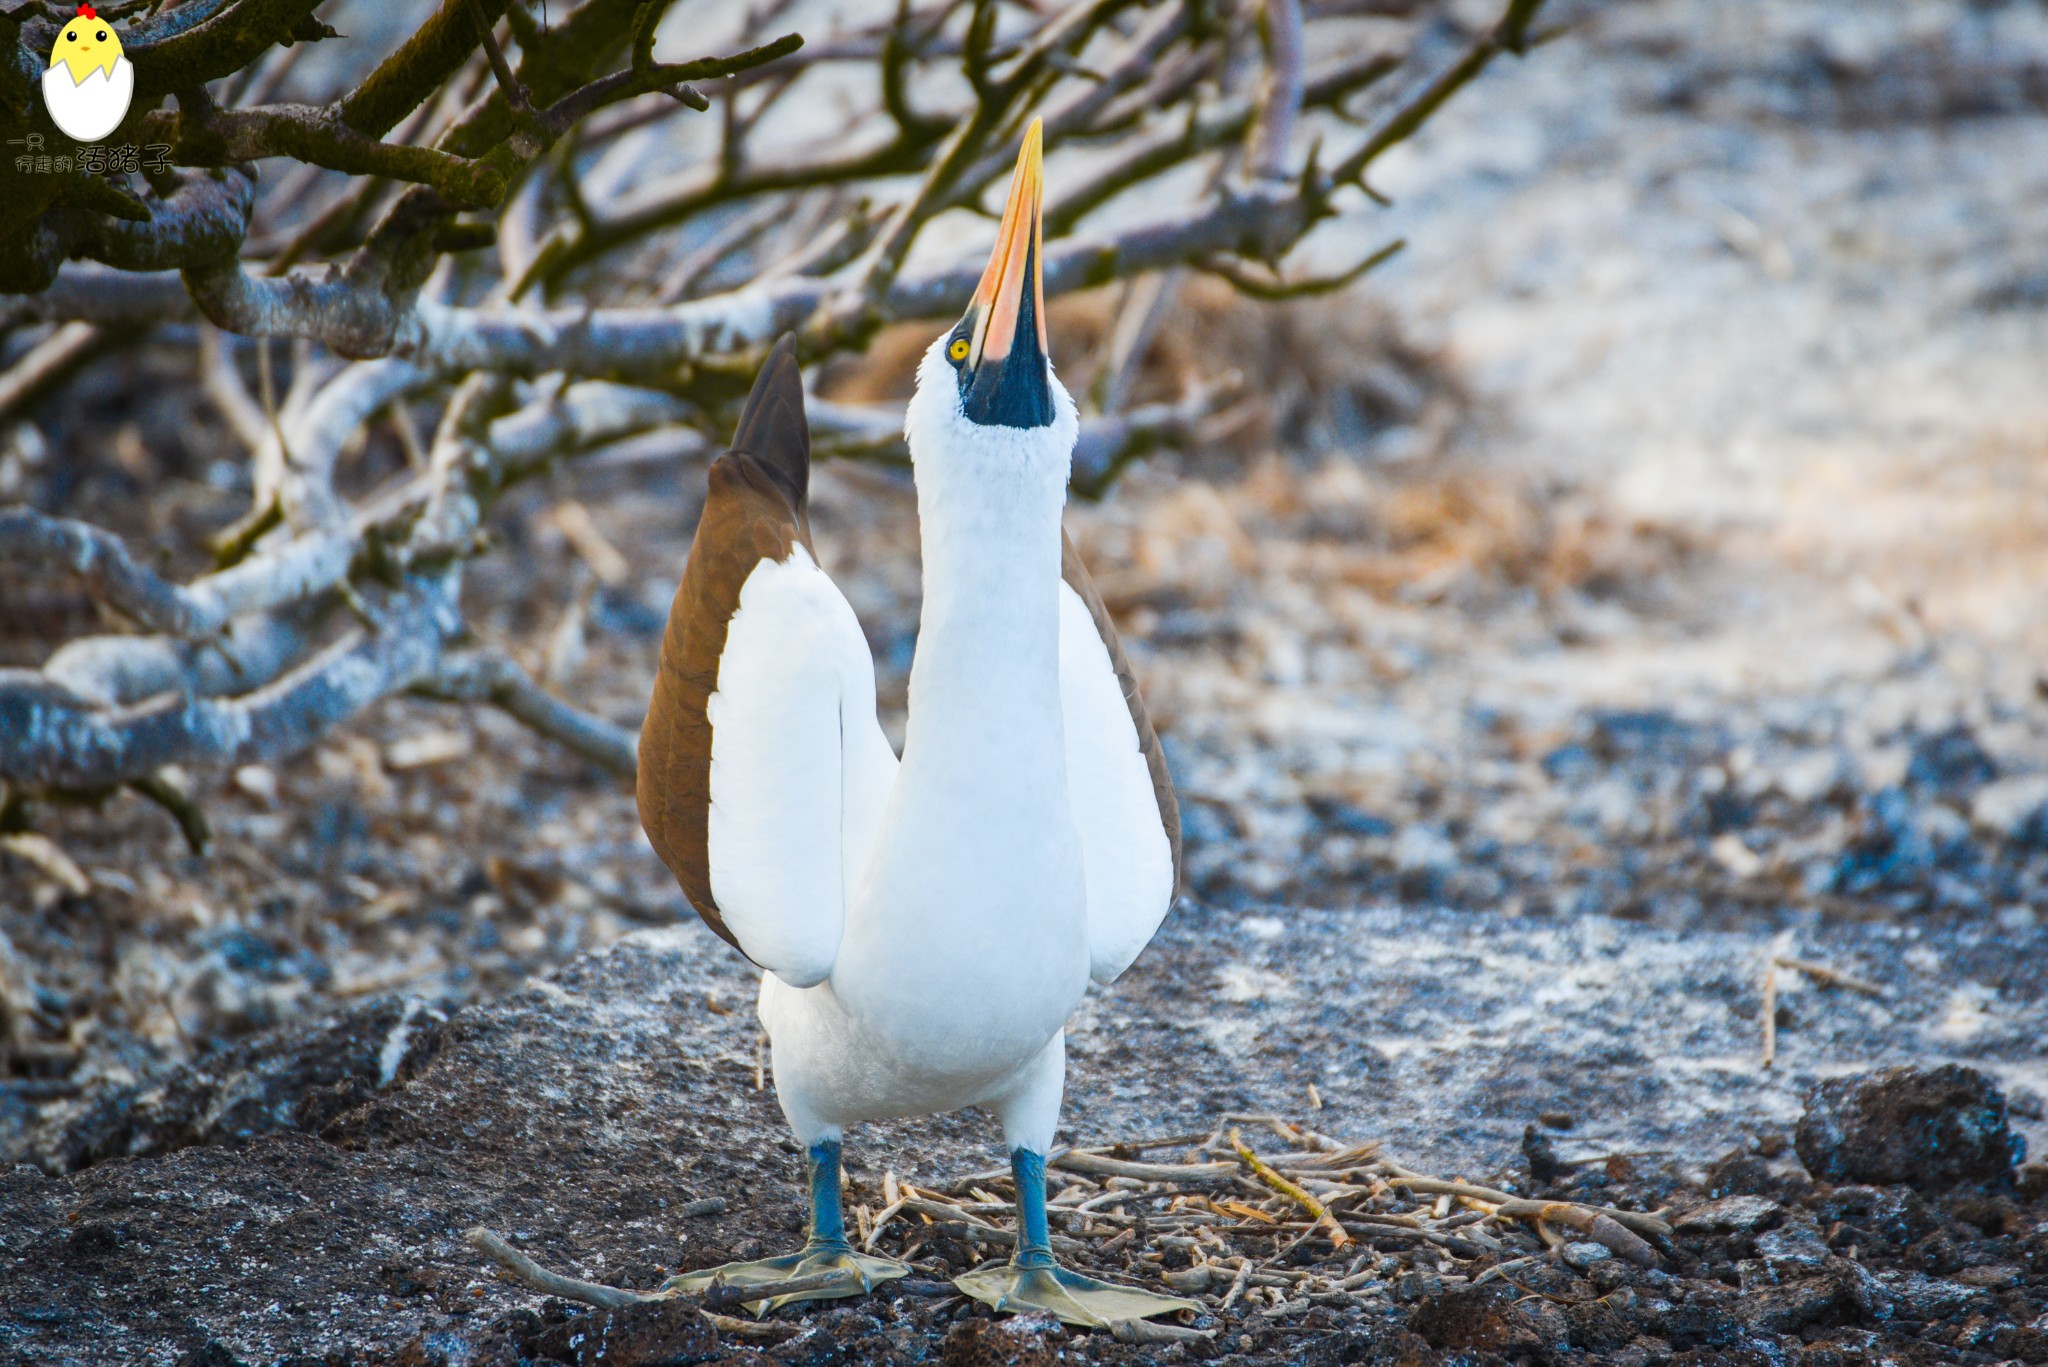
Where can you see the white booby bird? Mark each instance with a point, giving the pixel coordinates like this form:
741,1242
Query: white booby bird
925,927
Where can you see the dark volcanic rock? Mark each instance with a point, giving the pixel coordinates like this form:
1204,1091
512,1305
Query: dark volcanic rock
669,1334
1789,1252
1544,1164
1950,762
1893,1215
1930,1128
296,1077
212,1353
1791,1307
1732,1215
1483,1318
1921,1297
1600,1325
1701,1323
1026,1341
1874,1303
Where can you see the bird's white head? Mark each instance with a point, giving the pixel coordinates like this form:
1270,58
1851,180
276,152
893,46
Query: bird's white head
987,402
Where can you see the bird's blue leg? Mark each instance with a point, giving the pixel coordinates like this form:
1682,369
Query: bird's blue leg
828,1223
826,1254
1034,1239
1033,1280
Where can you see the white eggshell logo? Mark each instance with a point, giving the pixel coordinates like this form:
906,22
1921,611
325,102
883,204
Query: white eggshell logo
89,83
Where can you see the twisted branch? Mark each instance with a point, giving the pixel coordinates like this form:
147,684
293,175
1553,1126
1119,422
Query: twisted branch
490,676
57,739
451,138
100,561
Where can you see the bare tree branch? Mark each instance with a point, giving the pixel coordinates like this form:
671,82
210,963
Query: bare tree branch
101,561
184,48
1287,65
411,75
102,294
203,219
295,464
1511,34
47,364
1273,289
202,135
449,140
57,739
114,671
508,84
224,387
491,676
1147,301
1206,130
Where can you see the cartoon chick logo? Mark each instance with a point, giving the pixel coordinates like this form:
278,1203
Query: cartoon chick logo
89,83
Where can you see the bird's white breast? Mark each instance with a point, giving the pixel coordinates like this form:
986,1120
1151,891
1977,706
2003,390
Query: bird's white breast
966,947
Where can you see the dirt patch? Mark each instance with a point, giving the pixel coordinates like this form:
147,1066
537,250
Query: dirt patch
583,1115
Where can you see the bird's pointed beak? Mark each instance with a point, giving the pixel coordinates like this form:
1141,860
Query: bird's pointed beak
1013,276
1005,369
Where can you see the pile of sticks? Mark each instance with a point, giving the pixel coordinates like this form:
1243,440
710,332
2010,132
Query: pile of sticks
1259,1217
1244,1222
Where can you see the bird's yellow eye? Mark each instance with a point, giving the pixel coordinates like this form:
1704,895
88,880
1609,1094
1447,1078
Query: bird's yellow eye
958,351
70,37
100,37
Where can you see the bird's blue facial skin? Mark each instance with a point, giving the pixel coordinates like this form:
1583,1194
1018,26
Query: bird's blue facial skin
1012,392
1015,391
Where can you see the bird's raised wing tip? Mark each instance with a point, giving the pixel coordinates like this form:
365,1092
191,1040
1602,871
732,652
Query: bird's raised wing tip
772,426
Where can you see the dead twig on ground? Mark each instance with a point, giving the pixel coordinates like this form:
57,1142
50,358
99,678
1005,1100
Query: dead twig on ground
1293,1192
1636,1220
1770,1012
1830,977
530,1274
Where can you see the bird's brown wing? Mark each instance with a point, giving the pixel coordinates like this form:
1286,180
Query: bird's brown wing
755,511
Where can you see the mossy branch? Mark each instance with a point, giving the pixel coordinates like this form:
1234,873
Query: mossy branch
220,39
318,135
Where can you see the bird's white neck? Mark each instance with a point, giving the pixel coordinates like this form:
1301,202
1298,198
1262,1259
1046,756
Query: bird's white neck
984,687
978,860
988,638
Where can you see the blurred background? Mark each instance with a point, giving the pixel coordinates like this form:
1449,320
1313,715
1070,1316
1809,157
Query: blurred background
1659,535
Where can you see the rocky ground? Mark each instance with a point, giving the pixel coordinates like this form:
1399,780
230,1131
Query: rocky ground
1639,581
306,1199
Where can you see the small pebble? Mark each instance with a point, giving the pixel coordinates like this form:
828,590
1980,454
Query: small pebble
1733,1215
1584,1255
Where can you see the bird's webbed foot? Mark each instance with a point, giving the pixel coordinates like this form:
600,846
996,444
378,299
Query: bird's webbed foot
1033,1280
1020,1286
822,1270
827,1268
